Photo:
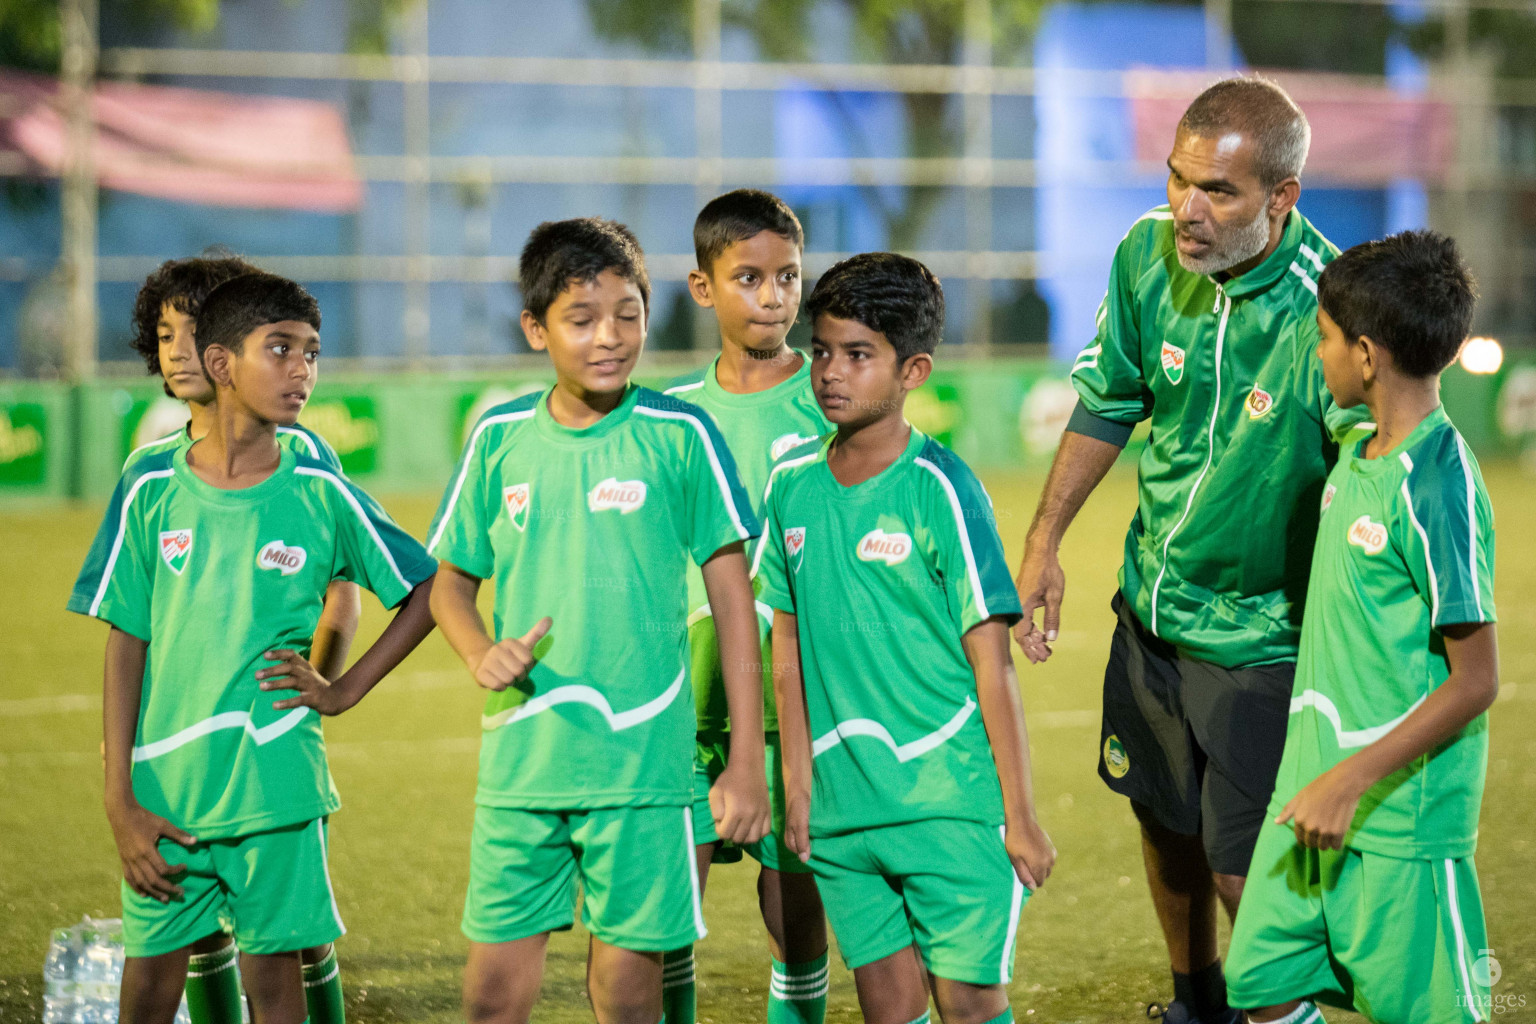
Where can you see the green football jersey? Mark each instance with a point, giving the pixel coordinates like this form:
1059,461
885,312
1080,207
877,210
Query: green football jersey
884,578
758,428
1405,546
1242,437
593,528
212,579
300,439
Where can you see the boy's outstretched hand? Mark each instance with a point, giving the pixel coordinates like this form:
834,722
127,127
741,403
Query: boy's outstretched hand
137,834
1321,814
1032,852
507,663
738,801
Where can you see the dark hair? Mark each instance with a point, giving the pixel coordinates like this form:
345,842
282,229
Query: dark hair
183,285
1264,112
895,295
242,304
561,251
1410,293
738,216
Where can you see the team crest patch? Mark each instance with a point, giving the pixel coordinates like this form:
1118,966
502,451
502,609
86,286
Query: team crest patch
623,495
175,546
879,546
1259,403
788,441
1173,362
1369,536
517,499
276,555
794,546
1328,493
1116,761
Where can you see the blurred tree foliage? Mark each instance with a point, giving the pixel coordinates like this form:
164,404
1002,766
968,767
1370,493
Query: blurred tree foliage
32,39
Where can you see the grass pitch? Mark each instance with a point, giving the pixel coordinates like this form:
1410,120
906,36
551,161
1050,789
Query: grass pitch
404,760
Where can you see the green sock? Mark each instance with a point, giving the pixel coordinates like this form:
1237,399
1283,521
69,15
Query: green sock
1006,1017
924,1019
797,993
213,987
322,991
679,995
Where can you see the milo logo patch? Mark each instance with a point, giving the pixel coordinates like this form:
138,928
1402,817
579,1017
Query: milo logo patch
623,495
1116,761
1371,537
879,546
1259,403
277,555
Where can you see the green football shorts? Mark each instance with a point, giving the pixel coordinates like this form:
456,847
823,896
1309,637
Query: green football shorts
709,760
1396,939
639,881
271,890
944,884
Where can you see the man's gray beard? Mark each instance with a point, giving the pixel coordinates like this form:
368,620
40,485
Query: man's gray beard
1243,244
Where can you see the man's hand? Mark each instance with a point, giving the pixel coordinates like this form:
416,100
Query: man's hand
508,663
294,672
137,834
1031,851
1041,584
797,824
739,802
1321,813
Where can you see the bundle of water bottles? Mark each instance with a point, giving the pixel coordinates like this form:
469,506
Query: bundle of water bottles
83,973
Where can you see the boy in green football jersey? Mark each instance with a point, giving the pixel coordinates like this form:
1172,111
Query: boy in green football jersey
892,599
758,391
164,317
212,578
1363,891
584,503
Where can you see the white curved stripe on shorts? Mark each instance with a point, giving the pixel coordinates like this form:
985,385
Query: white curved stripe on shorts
262,735
965,538
1461,940
1006,973
714,461
1348,738
580,693
325,864
122,531
693,875
469,453
906,751
346,492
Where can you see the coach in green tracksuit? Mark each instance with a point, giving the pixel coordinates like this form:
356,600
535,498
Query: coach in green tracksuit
1208,329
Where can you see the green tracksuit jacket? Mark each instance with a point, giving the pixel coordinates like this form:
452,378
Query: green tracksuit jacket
1241,437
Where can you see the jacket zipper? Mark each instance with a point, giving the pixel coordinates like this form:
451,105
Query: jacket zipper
1224,304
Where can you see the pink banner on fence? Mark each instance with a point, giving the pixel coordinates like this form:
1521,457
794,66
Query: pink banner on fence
1361,134
191,145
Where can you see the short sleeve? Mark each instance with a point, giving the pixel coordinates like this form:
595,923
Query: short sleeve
770,576
967,549
116,582
372,550
1444,528
716,511
1108,373
460,532
322,451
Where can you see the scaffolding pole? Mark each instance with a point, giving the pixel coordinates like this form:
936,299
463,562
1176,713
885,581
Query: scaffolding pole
78,200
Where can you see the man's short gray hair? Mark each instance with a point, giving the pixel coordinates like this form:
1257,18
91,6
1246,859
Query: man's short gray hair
1261,110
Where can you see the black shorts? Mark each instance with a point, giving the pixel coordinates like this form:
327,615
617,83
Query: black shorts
1195,744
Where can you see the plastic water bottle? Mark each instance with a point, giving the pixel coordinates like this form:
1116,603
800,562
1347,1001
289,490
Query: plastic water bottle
83,974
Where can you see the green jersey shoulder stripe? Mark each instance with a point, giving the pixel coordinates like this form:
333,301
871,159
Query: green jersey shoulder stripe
350,492
810,451
687,382
159,444
1455,546
516,411
313,445
973,510
658,406
155,467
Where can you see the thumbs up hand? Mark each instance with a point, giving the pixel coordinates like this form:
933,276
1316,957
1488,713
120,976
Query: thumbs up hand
509,662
